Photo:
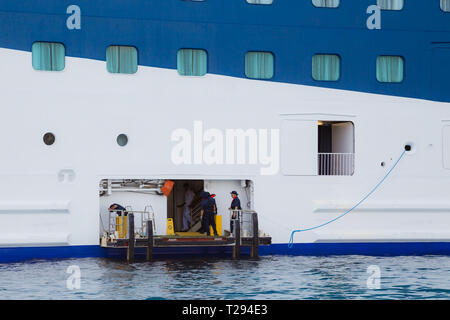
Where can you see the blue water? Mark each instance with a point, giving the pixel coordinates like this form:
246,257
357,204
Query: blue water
271,277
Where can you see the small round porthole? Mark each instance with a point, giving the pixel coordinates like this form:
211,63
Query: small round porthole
49,138
122,140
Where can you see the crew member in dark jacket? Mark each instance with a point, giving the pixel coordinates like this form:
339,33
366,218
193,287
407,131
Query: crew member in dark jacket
235,205
208,207
212,196
120,210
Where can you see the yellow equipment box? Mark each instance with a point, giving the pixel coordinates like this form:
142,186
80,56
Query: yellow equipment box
121,226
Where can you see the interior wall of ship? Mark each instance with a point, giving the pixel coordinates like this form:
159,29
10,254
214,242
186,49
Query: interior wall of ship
222,190
336,137
176,198
137,201
343,137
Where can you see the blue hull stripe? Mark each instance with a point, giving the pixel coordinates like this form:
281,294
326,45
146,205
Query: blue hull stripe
372,248
307,249
11,254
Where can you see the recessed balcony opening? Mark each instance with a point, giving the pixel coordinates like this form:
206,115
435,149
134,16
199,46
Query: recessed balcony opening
336,148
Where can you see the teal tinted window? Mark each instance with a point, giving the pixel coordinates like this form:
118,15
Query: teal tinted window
259,65
48,56
260,1
390,4
445,5
326,67
390,69
326,3
121,59
192,62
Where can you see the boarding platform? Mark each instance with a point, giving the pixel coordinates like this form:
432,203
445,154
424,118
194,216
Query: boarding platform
125,237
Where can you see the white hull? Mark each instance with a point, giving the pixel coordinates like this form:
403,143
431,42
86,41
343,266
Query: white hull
86,108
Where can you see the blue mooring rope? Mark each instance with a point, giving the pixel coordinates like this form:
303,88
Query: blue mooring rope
291,240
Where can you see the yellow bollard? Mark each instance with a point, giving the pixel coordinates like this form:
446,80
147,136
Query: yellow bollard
170,230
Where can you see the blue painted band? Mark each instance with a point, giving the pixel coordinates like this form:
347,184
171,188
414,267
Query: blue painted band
13,254
307,249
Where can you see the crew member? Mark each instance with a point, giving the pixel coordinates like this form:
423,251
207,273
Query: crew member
213,196
120,210
188,198
121,220
207,212
235,205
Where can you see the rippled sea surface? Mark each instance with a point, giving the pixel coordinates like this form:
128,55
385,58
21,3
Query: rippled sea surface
271,277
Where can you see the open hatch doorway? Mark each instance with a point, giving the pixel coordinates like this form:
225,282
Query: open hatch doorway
163,202
185,193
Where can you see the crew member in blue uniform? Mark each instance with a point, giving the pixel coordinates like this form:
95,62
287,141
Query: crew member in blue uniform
212,196
118,209
208,207
235,205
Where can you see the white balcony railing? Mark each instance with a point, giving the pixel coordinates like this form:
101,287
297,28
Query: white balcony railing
336,164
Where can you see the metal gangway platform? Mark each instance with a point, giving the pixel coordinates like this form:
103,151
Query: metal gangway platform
131,229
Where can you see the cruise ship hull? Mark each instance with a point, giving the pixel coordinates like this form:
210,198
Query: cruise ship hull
50,204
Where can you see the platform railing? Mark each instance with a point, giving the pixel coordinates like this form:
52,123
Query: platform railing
245,226
336,164
119,224
245,220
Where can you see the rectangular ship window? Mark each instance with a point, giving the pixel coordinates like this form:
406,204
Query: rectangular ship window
311,148
390,4
260,1
326,3
121,59
259,65
445,5
390,68
336,148
326,67
48,56
192,62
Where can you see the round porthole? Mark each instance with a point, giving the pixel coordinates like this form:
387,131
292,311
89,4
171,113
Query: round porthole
122,140
49,138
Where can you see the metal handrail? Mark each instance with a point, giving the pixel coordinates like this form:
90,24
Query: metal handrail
123,226
196,213
244,217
